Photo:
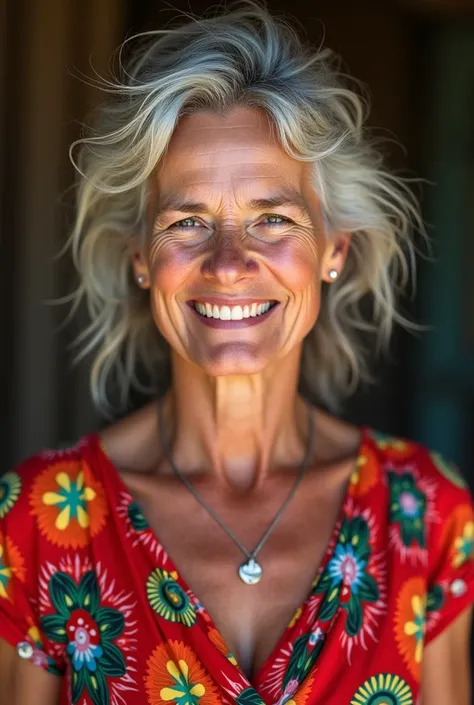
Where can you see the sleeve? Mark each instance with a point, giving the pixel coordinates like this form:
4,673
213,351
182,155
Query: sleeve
20,560
450,548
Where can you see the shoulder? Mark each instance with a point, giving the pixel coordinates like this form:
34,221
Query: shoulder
399,458
56,492
429,502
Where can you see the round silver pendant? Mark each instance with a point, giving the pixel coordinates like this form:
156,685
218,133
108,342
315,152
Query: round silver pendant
250,572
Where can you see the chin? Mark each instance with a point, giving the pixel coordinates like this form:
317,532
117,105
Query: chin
232,360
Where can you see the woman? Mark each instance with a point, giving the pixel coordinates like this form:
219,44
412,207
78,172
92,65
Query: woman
232,542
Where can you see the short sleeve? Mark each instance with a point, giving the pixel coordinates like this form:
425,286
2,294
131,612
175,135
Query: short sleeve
19,570
450,548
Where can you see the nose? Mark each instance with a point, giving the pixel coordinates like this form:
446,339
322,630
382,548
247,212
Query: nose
228,262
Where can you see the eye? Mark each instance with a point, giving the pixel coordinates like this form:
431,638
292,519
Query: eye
186,223
274,219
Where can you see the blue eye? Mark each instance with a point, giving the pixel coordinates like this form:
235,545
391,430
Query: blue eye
280,219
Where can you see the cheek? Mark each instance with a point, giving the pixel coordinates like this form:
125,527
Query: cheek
170,265
295,261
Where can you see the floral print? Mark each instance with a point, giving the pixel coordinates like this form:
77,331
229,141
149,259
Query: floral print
11,564
174,675
397,449
346,582
10,488
69,504
89,631
464,545
86,583
383,689
137,527
366,473
306,650
410,623
407,508
168,598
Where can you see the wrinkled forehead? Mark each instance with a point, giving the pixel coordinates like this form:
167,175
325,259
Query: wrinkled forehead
238,150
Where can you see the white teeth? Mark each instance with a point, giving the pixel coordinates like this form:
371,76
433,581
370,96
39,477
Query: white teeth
237,313
225,313
231,313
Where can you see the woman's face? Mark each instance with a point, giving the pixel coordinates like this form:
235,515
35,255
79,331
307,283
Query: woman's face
236,251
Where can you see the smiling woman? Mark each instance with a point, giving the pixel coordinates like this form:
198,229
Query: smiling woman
230,542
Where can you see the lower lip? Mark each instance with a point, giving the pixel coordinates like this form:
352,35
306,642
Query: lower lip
233,325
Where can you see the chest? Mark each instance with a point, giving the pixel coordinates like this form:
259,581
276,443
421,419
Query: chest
250,618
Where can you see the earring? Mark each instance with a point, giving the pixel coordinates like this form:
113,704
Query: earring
333,274
141,279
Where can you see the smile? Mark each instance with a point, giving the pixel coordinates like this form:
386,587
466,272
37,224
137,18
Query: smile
232,313
236,316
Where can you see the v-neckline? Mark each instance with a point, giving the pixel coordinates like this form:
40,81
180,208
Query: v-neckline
205,619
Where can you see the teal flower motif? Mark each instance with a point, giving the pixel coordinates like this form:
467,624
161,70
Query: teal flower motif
71,498
249,696
435,598
88,630
345,581
137,520
449,470
383,689
306,650
10,488
407,508
168,598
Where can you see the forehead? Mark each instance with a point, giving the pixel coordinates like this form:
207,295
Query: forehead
233,149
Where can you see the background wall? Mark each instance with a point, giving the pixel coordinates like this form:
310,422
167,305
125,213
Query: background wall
417,58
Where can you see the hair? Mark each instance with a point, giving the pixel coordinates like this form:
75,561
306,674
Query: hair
242,57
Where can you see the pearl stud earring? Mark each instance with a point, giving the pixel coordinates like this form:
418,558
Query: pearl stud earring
141,279
333,274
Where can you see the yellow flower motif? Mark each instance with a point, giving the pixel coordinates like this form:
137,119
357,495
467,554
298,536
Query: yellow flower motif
34,634
464,545
417,627
183,687
5,574
71,497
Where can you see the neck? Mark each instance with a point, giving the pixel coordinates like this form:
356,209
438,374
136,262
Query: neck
239,428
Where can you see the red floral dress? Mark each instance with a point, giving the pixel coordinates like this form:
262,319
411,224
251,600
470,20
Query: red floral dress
87,592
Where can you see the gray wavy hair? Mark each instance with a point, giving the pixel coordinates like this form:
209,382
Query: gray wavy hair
240,57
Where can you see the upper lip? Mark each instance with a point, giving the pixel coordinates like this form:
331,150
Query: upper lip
223,301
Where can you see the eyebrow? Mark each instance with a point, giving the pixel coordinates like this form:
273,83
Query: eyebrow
287,197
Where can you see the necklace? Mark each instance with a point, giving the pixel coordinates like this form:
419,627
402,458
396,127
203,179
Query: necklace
250,572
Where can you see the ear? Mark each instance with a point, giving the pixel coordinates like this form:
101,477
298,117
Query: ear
139,263
335,255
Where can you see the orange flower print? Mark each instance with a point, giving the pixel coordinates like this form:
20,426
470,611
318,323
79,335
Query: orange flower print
220,644
365,474
174,675
69,504
410,623
458,535
11,563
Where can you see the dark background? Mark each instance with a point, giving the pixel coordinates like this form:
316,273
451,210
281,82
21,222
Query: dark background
417,59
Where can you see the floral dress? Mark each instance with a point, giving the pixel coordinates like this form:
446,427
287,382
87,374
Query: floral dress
88,593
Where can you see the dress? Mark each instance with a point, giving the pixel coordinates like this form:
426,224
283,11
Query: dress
86,589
